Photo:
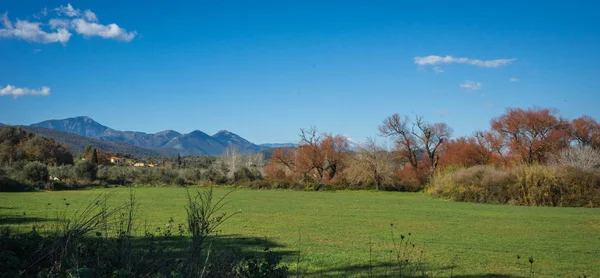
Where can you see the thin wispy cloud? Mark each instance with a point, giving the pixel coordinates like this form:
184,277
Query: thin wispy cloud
59,29
18,92
436,61
67,10
59,22
513,79
471,85
90,16
438,69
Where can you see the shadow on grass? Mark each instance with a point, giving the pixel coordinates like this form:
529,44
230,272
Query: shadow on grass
387,269
177,246
20,220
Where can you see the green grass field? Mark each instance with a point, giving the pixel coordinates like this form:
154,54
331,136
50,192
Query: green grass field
332,230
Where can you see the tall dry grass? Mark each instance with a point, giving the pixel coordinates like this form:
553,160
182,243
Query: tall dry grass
533,185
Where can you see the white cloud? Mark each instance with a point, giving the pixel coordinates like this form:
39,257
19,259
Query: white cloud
514,79
68,11
59,22
434,60
31,32
111,31
90,16
83,23
471,85
438,69
17,92
6,22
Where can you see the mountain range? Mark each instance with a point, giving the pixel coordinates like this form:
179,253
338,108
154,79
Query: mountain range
165,143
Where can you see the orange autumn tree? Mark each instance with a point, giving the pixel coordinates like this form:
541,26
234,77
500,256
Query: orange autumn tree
464,151
282,163
586,131
482,148
532,134
320,157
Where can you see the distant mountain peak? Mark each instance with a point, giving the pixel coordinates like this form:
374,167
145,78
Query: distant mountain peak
224,132
82,125
197,134
168,132
85,119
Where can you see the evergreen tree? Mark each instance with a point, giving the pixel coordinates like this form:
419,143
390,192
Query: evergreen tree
85,154
94,156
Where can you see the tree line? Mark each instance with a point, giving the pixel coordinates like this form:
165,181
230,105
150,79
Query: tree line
421,150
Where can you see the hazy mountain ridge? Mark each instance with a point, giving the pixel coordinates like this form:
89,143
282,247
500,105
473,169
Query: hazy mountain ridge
77,142
193,143
233,140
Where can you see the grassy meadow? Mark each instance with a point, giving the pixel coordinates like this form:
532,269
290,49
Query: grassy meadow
339,233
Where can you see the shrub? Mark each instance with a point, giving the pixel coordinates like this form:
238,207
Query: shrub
35,172
215,176
245,174
484,184
584,158
86,170
532,185
62,173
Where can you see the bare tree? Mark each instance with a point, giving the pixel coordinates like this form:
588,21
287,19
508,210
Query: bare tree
232,159
371,163
432,136
397,127
582,157
255,160
419,136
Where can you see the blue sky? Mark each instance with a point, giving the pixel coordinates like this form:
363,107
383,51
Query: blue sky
264,69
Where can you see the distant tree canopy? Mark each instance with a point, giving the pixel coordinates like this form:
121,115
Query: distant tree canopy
17,145
531,136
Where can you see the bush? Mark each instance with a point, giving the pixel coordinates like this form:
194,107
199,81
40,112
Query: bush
245,174
584,158
215,176
532,185
484,184
61,173
35,172
86,170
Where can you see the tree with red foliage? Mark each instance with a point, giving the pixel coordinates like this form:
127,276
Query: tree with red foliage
334,151
309,157
465,151
586,131
532,134
285,157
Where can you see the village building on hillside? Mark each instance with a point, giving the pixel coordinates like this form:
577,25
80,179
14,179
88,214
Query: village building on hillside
115,160
139,164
